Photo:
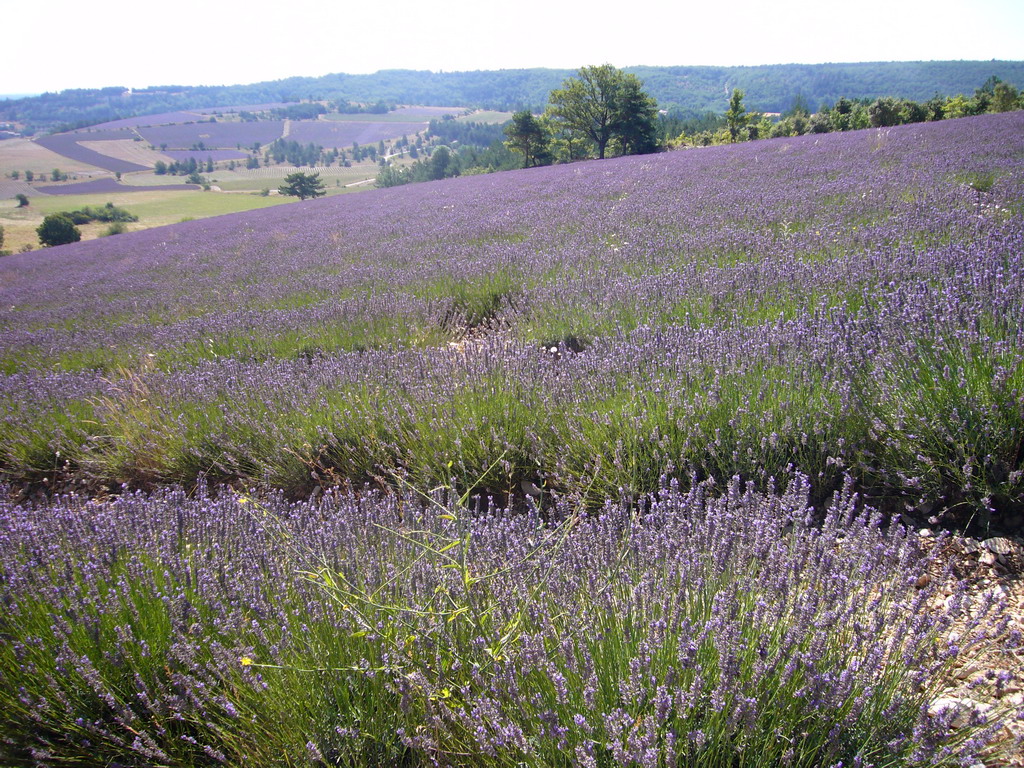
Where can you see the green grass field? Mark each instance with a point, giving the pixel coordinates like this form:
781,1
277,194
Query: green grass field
486,116
234,191
154,209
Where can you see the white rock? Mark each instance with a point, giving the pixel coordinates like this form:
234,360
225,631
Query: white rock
968,544
1000,545
968,670
998,592
963,708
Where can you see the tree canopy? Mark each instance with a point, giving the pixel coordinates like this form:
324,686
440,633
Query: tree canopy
58,229
695,89
605,103
528,136
736,115
302,185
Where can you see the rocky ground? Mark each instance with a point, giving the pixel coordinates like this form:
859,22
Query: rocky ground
992,679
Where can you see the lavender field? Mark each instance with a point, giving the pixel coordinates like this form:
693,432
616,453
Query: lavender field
217,155
684,381
228,135
337,133
66,144
842,304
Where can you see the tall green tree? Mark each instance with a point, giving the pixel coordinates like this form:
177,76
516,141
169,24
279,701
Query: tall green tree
636,125
302,185
527,135
602,103
440,163
1005,98
884,112
736,115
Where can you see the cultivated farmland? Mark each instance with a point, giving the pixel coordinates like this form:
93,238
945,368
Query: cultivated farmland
597,464
213,135
330,133
67,144
134,147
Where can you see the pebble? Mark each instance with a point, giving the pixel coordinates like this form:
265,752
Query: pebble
1000,545
963,709
998,592
968,670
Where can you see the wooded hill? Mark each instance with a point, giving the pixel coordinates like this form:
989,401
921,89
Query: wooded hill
693,89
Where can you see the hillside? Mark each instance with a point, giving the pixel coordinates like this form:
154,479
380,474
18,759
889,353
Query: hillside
770,88
731,310
175,166
622,462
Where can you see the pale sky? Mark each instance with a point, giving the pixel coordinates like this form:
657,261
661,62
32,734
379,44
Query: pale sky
51,45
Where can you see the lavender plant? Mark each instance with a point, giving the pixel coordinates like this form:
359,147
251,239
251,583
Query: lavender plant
709,627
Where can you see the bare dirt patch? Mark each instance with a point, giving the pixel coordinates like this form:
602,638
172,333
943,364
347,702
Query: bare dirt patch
26,155
127,150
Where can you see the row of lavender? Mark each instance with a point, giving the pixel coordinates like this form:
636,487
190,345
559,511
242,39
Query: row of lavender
920,398
190,630
843,303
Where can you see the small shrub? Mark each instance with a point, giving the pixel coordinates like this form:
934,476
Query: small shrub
717,627
117,228
58,229
981,182
108,213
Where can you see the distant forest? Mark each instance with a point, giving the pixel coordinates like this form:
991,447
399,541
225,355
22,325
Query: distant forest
679,90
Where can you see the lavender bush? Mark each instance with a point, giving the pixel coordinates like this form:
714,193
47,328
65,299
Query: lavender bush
715,627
